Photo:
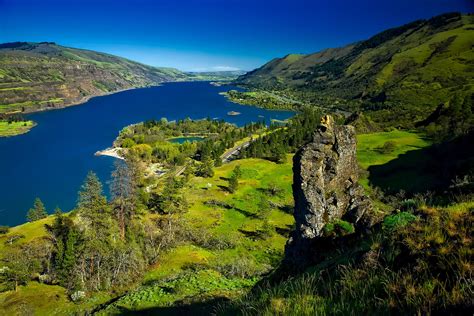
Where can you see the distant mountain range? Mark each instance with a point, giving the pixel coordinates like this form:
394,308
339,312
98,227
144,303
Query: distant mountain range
217,75
404,72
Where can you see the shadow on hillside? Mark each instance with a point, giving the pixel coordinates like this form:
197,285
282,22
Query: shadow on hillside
412,172
194,308
246,213
284,231
428,169
224,188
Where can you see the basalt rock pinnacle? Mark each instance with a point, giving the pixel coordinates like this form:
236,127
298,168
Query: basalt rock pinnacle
325,187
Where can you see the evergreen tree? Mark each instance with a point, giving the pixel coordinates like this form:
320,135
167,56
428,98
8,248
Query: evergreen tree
123,192
92,206
238,171
37,212
206,169
263,208
91,195
66,239
233,183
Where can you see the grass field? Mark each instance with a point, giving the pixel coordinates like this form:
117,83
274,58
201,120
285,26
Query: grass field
368,146
28,231
240,245
407,155
254,243
41,299
15,128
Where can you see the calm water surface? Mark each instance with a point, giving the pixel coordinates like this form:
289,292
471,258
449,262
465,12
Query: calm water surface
52,160
182,140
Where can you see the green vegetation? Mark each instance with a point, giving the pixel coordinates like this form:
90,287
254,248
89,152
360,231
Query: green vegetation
215,75
421,266
228,246
413,163
369,146
263,99
200,227
37,212
397,77
15,128
151,141
275,145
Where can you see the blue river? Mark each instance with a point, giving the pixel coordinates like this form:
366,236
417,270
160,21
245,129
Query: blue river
52,160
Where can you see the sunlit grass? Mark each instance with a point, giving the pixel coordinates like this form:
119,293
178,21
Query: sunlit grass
15,128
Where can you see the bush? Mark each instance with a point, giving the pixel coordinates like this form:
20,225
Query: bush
242,267
338,228
395,221
207,240
4,230
388,147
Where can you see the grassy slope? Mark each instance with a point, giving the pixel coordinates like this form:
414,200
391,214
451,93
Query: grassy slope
415,262
412,264
15,128
29,231
177,268
420,67
368,154
191,271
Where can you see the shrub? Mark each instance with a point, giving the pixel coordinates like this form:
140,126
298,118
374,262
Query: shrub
387,147
395,221
338,228
4,230
409,205
242,267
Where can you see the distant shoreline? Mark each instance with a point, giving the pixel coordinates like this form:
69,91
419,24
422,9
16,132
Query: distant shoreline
82,100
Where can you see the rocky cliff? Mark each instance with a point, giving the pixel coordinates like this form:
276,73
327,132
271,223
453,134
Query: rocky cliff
325,188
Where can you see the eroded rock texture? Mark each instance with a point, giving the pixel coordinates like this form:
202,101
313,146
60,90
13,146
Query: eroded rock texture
325,185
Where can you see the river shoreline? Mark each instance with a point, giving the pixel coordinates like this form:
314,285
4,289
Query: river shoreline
111,152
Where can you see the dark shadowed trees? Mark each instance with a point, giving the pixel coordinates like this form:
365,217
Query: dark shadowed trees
37,212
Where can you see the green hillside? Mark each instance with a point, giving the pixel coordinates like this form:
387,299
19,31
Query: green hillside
38,76
401,74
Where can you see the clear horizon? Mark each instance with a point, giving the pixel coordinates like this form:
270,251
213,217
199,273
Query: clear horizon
206,35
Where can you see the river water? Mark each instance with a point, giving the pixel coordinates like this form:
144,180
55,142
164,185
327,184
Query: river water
52,160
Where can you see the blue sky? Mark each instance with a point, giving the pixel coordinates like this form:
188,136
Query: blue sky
209,34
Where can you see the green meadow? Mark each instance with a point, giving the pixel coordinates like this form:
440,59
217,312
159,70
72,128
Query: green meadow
373,150
236,242
15,128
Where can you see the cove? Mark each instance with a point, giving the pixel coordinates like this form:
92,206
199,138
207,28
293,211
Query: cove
52,160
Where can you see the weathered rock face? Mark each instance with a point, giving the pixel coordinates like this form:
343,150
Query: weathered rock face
325,188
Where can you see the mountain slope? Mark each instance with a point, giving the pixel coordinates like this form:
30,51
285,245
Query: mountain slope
409,69
37,76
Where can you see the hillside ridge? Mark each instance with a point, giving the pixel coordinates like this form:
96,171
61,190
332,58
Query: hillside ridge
402,73
44,75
